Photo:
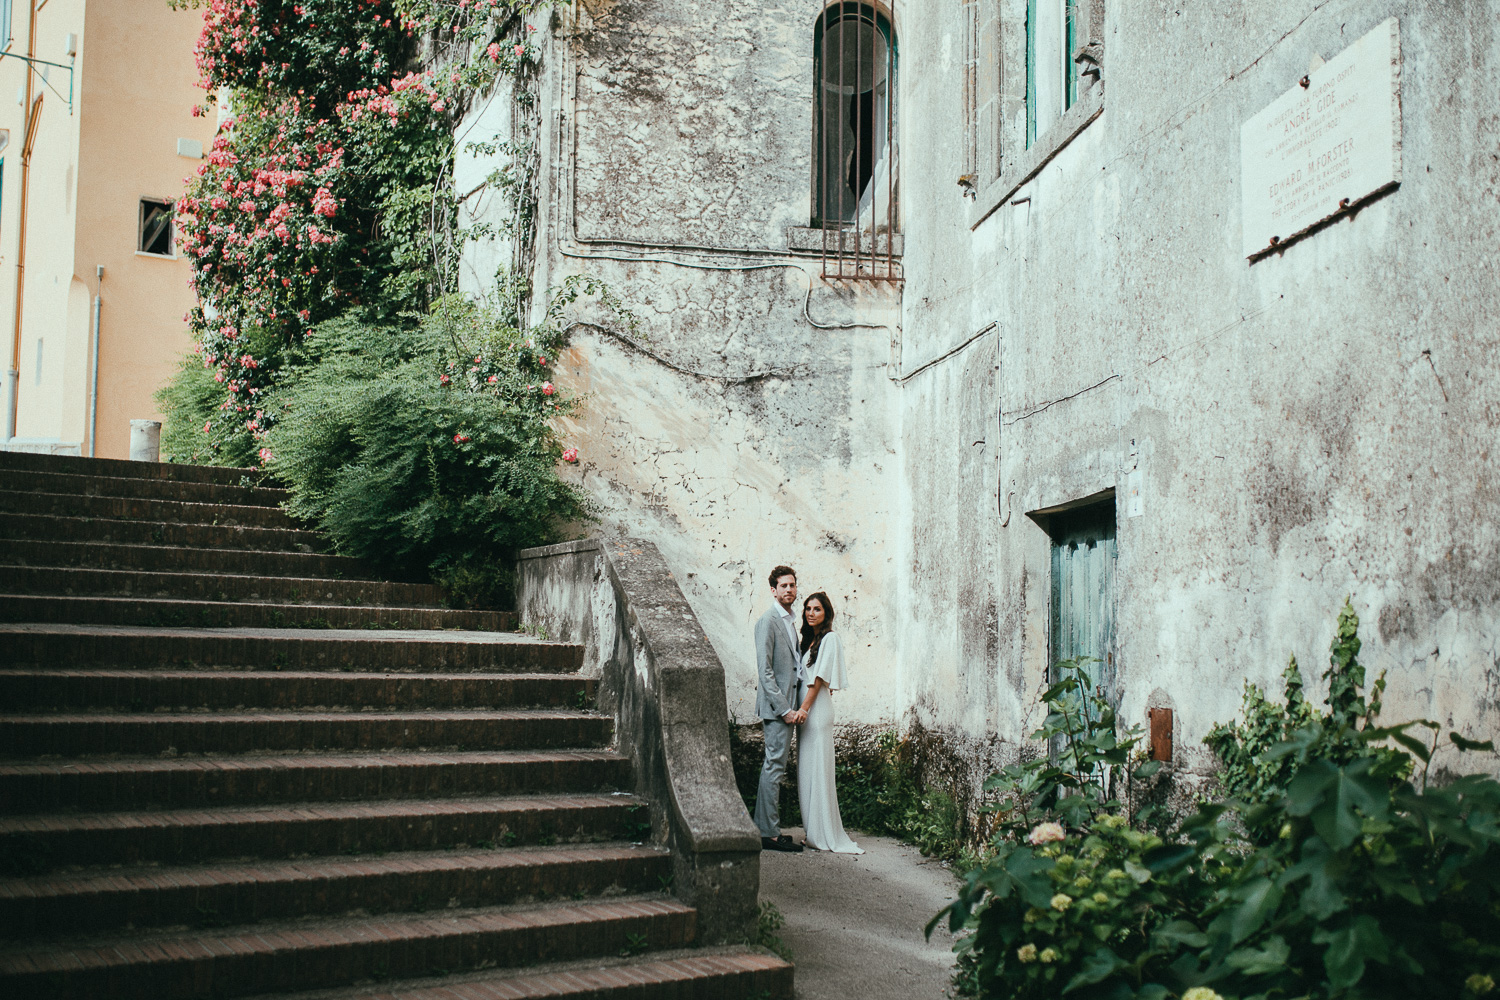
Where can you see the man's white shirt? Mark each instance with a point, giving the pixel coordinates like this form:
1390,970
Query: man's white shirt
789,620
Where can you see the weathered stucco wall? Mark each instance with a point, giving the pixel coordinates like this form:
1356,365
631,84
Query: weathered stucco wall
1315,425
744,422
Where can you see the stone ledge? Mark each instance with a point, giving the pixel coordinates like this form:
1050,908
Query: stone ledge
662,682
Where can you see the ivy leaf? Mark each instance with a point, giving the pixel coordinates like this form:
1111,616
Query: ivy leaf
1135,871
1169,857
1146,770
1349,948
1467,744
1096,968
1331,794
1259,961
1179,932
1258,900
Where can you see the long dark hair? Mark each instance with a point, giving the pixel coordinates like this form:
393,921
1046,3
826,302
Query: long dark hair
811,637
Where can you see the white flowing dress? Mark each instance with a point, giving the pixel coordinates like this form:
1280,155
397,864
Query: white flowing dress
821,823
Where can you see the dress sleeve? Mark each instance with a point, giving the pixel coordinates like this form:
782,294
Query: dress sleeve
830,665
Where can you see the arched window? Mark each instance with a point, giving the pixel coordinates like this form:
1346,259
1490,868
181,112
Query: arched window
854,153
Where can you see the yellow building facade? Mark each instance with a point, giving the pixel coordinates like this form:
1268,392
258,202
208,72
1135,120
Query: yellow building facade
96,108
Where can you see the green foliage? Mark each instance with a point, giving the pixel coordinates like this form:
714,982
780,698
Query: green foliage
191,404
428,445
767,923
1253,775
881,790
1367,888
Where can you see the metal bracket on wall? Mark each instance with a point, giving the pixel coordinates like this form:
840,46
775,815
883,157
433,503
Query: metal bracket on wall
34,63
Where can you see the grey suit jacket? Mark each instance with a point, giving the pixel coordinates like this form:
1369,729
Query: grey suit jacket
776,664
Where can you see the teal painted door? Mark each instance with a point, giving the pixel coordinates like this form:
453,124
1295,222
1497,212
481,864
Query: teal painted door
1083,590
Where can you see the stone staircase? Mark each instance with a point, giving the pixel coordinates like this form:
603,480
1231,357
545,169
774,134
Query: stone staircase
231,765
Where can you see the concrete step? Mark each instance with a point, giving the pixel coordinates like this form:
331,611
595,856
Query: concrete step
206,896
49,527
129,509
77,735
179,559
32,845
229,614
64,646
101,785
193,586
318,953
115,467
27,481
732,972
182,690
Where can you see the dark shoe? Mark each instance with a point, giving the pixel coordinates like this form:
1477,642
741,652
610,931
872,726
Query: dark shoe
782,843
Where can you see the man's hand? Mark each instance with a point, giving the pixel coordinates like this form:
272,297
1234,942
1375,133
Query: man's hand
791,717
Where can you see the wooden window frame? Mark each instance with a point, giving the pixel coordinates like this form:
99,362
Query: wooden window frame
1020,161
140,232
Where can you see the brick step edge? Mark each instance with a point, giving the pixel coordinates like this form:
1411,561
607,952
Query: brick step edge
229,614
135,487
238,893
52,645
76,734
724,973
70,528
99,786
74,465
220,587
132,509
70,690
183,559
188,835
329,953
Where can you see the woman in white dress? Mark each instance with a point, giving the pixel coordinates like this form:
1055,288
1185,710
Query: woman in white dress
822,672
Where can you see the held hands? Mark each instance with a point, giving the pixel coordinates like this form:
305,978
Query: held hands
794,717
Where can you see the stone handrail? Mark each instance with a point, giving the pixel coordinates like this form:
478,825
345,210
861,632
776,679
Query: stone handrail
662,682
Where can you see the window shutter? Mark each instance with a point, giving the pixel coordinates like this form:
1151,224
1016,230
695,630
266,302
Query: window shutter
987,115
972,157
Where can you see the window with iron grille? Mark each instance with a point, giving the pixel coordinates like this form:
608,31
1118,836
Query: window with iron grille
155,234
856,175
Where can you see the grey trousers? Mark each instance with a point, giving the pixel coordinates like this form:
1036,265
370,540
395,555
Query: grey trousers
768,796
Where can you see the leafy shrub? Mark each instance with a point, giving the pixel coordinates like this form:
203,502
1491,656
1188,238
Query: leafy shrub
1367,887
430,445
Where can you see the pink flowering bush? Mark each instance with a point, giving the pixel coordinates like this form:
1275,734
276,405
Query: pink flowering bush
319,194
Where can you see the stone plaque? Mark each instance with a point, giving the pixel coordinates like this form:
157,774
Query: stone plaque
1325,146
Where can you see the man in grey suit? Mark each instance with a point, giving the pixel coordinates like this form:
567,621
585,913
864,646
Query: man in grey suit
776,702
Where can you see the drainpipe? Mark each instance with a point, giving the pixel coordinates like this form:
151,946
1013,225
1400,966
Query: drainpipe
33,112
94,392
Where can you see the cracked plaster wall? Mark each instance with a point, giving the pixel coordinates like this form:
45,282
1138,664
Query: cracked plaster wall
728,428
1316,425
1319,424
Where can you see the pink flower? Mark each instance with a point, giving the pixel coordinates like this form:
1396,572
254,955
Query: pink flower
493,52
460,438
520,51
571,455
541,360
547,389
265,455
493,378
444,380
